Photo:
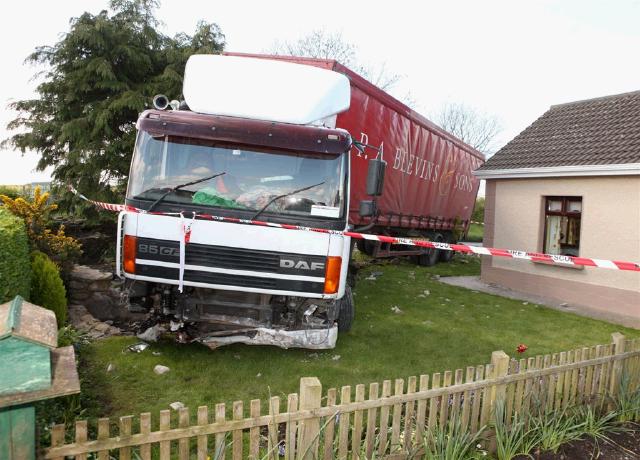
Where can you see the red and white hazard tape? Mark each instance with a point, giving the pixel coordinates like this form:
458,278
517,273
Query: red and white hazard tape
532,256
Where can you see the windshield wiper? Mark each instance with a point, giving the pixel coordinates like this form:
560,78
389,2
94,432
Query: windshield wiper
178,187
283,196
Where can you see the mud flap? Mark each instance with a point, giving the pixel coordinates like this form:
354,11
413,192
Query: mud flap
314,339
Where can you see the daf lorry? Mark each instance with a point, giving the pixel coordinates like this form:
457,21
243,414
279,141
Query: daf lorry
281,140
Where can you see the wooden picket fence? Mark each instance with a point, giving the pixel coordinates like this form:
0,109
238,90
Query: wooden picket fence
388,421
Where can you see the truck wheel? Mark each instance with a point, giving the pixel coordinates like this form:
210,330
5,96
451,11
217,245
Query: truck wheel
431,256
367,247
447,256
347,312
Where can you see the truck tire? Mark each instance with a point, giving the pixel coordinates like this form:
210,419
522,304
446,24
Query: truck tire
347,311
431,256
367,247
447,256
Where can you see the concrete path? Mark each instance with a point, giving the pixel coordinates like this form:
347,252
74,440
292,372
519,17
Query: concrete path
474,283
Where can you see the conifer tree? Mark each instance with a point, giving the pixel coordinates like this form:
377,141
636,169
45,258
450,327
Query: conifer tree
96,80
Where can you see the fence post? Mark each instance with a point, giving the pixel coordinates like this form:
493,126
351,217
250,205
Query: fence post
310,398
616,369
500,361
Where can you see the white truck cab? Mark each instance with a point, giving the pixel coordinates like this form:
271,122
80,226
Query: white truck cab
235,280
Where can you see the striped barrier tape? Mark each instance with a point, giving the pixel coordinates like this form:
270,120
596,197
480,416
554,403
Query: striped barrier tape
494,252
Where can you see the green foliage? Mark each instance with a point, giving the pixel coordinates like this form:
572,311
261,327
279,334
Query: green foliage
627,401
15,268
552,429
478,210
597,424
69,335
47,289
62,249
512,439
450,442
97,79
475,233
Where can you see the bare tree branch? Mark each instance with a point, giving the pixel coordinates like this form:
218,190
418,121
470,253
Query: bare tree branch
331,45
477,129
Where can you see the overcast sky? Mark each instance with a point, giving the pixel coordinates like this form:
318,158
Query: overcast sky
509,58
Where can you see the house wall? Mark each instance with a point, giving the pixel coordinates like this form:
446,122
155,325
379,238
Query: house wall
610,229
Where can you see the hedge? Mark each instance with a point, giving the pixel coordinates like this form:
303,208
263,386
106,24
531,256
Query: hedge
47,289
15,263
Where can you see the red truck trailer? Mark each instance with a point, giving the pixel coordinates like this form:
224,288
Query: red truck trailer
429,188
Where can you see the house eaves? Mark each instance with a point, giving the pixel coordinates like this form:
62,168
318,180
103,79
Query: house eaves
625,169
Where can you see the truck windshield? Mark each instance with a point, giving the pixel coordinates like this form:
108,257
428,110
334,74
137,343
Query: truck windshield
251,179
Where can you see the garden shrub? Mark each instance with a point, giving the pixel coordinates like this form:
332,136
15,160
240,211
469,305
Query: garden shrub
62,249
15,265
47,289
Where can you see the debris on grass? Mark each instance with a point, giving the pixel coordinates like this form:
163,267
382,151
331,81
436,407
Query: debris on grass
177,405
396,310
110,367
156,353
259,374
160,369
336,357
137,347
374,276
151,334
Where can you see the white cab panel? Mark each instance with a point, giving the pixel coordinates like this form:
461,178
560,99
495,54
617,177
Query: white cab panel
229,234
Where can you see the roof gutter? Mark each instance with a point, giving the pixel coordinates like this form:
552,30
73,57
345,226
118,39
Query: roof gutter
627,169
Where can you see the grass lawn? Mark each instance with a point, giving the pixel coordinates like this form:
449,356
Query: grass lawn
476,232
446,328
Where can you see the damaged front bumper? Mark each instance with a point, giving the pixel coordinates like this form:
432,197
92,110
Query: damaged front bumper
314,339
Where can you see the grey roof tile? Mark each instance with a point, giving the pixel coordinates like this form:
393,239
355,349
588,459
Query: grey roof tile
600,131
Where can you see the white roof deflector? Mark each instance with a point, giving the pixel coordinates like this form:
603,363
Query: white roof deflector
263,89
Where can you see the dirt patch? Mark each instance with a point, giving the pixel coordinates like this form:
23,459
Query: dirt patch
622,446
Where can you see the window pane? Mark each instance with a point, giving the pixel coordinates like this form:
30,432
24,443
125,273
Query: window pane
554,205
554,234
573,231
574,206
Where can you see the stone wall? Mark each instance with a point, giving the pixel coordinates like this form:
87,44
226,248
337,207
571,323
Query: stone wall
99,293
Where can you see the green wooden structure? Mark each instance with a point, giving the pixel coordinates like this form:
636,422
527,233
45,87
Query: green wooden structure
31,369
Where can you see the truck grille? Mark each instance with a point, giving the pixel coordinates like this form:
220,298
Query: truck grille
232,259
231,280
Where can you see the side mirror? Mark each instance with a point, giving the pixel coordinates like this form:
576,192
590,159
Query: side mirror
375,177
367,208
